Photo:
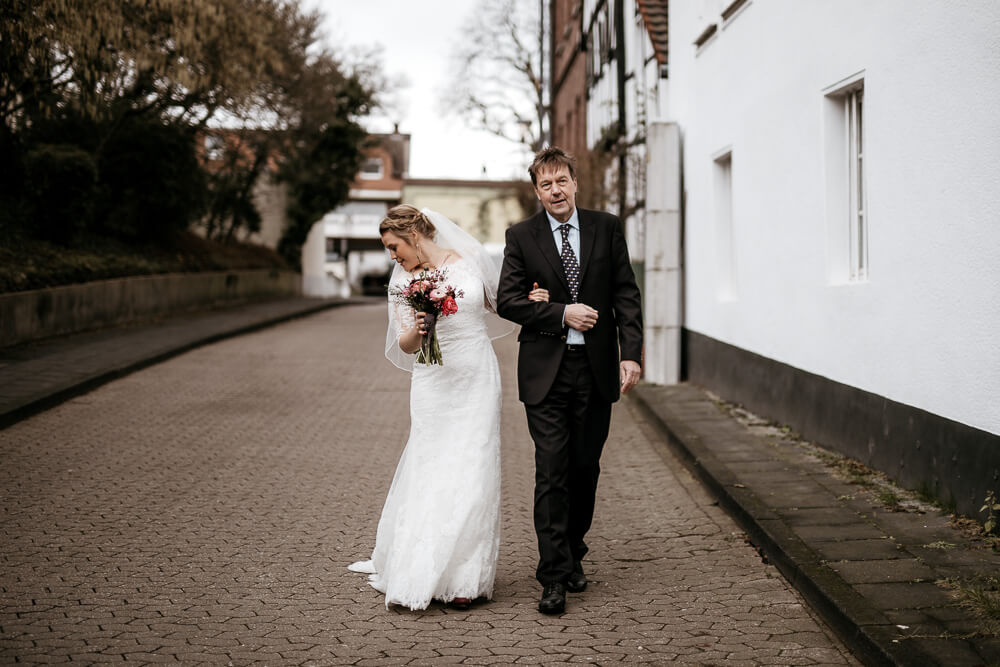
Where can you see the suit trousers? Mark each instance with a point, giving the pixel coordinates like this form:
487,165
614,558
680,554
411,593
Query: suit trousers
569,427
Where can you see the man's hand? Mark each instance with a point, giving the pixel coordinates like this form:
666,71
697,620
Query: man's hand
580,316
538,294
629,372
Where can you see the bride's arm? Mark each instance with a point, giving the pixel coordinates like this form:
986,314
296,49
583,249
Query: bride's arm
404,327
409,339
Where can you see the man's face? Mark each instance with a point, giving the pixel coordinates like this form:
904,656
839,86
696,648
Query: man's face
556,189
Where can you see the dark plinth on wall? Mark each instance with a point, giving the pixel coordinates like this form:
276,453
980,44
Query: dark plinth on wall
951,461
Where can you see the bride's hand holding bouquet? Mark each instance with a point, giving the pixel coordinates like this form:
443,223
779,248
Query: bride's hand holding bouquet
431,298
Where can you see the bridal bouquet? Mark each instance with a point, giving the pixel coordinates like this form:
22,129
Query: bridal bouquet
428,293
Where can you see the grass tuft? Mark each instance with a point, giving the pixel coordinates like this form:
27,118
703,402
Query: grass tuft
981,596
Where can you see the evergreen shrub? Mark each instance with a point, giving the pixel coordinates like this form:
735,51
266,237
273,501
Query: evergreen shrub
60,183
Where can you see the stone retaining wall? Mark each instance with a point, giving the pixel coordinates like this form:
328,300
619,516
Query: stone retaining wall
35,314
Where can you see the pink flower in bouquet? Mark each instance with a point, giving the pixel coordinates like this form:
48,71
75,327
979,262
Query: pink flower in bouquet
437,294
448,306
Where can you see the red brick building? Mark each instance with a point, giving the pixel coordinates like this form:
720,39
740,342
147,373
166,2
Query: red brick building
569,76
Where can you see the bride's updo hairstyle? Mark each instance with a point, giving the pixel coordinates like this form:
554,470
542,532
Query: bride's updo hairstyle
404,220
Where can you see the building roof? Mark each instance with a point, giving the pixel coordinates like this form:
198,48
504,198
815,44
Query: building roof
463,183
654,16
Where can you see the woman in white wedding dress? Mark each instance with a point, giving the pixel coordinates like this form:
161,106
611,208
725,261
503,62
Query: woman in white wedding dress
439,534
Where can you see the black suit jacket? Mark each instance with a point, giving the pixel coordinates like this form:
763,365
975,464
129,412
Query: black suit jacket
607,284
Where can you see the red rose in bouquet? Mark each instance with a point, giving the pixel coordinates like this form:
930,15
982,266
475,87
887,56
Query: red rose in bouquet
428,293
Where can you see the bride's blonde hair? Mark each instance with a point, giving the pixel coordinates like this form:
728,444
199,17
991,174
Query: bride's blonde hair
405,220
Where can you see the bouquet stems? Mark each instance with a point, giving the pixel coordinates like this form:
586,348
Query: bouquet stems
430,350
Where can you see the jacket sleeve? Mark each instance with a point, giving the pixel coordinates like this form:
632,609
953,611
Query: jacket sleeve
512,295
626,299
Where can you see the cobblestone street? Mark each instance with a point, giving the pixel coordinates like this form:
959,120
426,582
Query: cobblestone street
204,510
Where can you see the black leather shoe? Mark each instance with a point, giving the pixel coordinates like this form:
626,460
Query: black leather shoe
553,599
576,582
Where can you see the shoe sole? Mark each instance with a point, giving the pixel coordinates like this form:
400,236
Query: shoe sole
552,611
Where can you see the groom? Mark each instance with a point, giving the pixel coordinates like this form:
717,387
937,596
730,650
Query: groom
579,351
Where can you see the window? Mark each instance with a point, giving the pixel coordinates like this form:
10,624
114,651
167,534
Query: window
371,168
724,247
601,38
847,212
336,249
854,115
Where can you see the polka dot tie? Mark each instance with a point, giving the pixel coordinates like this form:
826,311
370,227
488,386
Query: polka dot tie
570,265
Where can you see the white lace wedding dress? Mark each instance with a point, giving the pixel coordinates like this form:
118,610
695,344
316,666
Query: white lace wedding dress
439,534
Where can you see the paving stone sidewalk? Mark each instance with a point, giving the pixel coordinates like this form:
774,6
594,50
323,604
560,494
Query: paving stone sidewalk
203,510
35,376
877,575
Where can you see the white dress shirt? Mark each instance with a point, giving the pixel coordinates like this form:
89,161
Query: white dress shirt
573,337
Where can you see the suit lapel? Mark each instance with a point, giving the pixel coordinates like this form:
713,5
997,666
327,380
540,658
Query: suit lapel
547,244
586,240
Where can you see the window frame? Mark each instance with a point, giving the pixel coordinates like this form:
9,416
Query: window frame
847,211
372,176
722,214
857,209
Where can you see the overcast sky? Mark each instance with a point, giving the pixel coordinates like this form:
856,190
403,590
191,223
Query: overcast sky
416,40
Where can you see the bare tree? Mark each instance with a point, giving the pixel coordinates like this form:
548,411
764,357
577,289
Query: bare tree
499,83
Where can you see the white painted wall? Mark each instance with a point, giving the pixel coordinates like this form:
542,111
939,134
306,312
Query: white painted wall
661,303
924,330
316,280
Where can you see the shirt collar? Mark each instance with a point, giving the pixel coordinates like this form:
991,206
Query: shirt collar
574,221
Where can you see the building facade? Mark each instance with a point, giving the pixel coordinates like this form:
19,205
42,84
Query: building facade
609,57
482,208
343,253
837,169
568,70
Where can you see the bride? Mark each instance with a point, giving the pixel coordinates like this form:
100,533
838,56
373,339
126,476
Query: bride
439,534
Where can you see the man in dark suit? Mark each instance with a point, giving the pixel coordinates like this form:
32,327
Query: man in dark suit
580,348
